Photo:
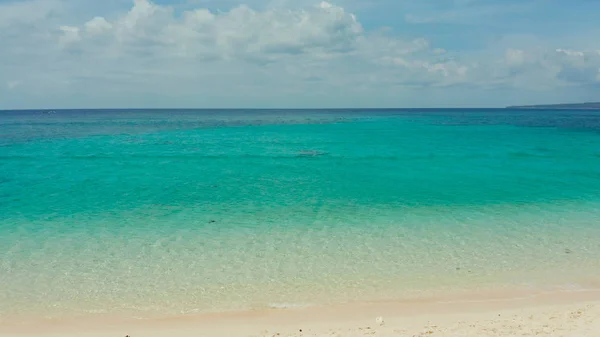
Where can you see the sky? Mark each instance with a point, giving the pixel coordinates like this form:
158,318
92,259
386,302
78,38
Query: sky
297,53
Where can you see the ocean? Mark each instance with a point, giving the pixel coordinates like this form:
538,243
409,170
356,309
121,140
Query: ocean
162,213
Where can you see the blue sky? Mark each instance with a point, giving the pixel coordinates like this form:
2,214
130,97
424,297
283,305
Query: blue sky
297,54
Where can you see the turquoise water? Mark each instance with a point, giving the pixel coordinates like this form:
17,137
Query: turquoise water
159,213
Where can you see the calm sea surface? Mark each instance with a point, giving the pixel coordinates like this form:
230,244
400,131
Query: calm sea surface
149,213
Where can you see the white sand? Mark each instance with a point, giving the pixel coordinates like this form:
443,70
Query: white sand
569,314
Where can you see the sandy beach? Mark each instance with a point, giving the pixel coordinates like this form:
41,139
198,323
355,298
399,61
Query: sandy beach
572,314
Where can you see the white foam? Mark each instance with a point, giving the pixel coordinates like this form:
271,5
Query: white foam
288,305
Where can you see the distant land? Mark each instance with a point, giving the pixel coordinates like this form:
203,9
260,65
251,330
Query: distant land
578,106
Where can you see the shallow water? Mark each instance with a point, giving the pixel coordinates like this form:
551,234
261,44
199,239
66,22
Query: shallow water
158,213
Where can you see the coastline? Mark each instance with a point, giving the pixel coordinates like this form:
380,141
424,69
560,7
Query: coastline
561,106
161,227
572,312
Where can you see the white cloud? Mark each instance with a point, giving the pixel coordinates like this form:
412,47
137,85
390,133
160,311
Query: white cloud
249,56
515,57
558,67
240,33
293,48
27,12
69,35
12,84
97,25
578,66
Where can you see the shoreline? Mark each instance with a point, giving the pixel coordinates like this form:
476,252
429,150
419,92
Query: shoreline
352,319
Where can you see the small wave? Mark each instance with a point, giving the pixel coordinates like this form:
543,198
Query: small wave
288,305
528,155
96,311
312,153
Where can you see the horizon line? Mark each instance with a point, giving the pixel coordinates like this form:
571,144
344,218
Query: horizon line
290,109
